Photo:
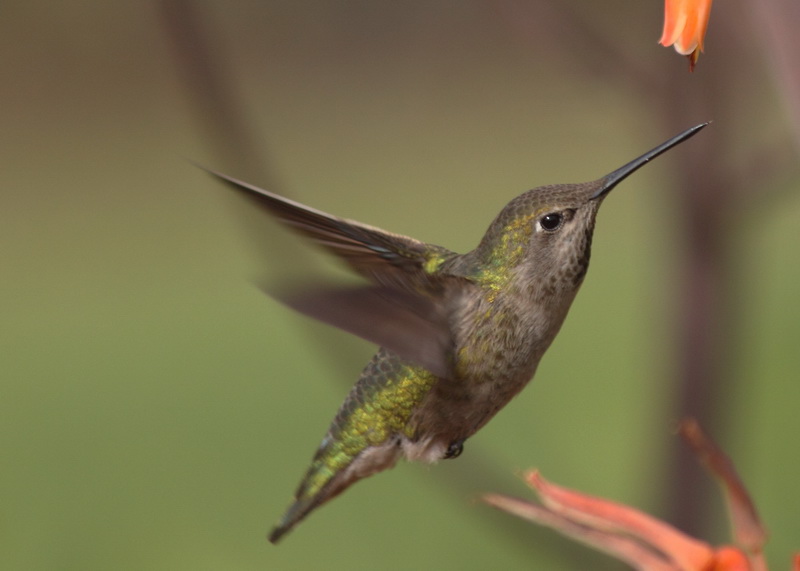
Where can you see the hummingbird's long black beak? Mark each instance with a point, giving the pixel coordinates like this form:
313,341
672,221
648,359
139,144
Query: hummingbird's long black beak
611,180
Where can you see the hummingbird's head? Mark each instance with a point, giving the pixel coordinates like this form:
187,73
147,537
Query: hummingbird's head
547,232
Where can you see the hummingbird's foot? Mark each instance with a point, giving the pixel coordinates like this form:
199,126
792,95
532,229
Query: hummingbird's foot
454,450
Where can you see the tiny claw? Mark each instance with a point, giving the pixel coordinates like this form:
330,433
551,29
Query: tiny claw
454,450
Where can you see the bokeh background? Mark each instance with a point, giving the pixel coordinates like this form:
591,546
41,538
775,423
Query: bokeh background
157,410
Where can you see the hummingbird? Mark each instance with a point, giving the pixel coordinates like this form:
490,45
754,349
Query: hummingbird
459,335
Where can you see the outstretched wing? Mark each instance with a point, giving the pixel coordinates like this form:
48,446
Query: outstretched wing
378,255
407,310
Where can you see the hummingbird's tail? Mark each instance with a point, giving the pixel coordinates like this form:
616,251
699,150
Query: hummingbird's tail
332,472
296,512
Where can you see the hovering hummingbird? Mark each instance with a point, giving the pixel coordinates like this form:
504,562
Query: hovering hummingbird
459,334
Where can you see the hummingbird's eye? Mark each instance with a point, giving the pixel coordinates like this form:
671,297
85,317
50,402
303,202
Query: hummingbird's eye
550,221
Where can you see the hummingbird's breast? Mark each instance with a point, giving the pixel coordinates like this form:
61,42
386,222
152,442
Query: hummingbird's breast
500,340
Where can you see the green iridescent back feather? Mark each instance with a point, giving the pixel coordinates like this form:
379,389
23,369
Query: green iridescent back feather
376,410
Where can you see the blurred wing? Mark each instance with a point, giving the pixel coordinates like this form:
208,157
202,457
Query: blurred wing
406,311
413,325
379,255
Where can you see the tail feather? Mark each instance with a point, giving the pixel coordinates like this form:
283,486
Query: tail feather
296,512
323,483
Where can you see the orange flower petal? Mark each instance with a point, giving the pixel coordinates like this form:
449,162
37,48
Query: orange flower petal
730,559
748,530
597,513
685,25
675,15
628,549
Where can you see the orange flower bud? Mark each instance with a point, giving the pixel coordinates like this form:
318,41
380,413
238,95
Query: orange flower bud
685,24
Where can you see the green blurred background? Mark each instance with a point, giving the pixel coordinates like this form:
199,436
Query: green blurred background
157,410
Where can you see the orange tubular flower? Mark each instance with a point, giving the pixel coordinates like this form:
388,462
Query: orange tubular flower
685,24
642,541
